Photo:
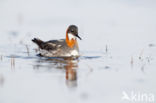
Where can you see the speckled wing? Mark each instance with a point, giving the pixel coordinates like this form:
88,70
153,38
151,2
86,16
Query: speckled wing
52,48
53,44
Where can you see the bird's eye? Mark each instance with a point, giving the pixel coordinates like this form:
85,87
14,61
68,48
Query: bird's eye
72,30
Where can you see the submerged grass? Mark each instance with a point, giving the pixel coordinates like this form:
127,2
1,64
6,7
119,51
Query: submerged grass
27,47
141,54
1,57
12,62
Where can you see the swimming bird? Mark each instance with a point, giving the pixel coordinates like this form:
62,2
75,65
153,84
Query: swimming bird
67,47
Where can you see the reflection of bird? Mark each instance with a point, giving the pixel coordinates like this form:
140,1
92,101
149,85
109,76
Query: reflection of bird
60,48
70,72
70,66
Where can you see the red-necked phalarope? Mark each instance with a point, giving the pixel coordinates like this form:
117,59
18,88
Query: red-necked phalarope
60,48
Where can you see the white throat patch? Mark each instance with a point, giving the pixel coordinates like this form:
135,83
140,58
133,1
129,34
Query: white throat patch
71,36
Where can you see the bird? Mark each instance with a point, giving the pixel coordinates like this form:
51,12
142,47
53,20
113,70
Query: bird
67,47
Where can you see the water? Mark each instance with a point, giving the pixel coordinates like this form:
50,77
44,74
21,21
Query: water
118,51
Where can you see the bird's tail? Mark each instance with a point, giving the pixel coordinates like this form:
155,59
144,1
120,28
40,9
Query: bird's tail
38,42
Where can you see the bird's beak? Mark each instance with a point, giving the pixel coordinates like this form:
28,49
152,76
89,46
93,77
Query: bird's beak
78,37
